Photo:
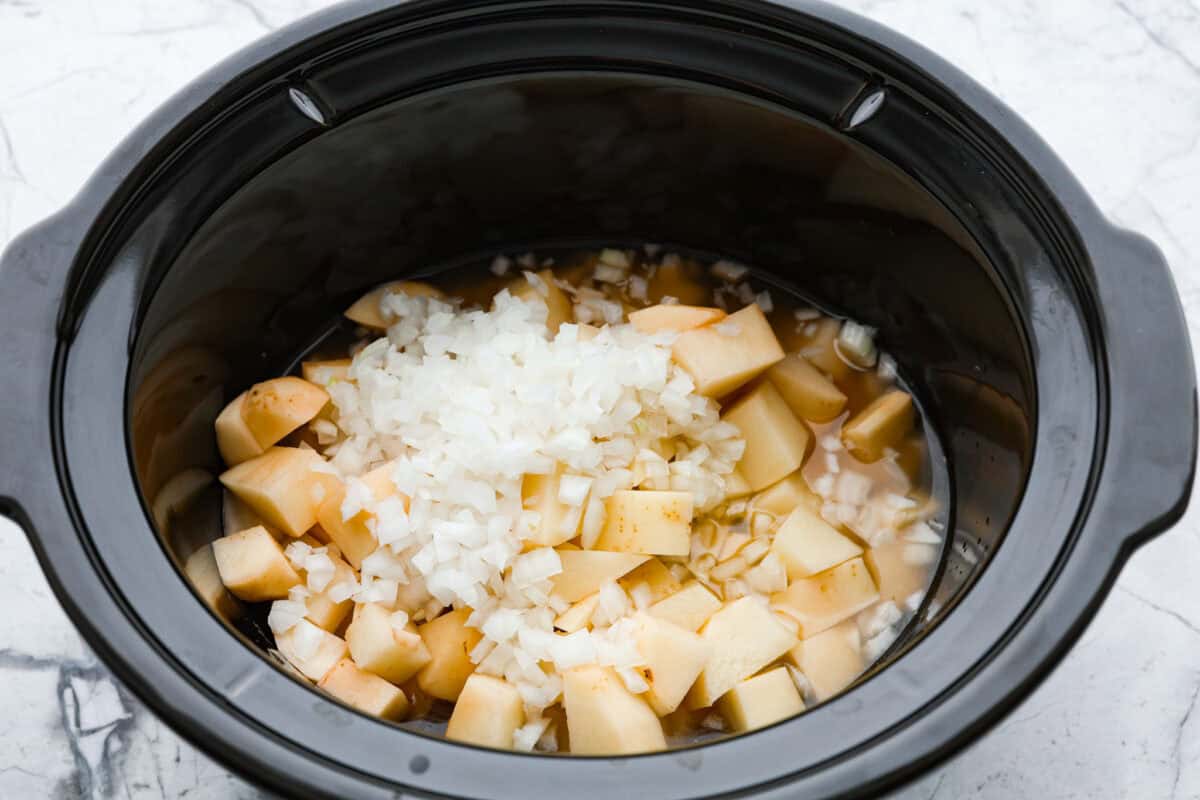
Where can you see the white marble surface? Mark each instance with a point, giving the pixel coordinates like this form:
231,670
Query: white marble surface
1113,86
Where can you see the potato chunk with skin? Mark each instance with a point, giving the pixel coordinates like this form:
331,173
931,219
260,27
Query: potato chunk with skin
745,637
201,570
674,658
820,348
782,497
736,486
679,279
585,571
882,424
273,409
655,576
315,665
253,566
807,544
558,523
776,442
368,311
688,608
807,392
720,358
579,615
352,536
284,486
449,642
761,701
322,610
896,576
644,521
825,599
379,648
325,373
674,318
557,303
831,660
487,713
235,440
368,693
605,718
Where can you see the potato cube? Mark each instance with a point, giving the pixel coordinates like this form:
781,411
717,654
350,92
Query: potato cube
311,650
680,279
807,392
655,576
761,701
235,440
449,642
781,498
237,516
201,570
368,312
820,348
736,486
579,615
674,658
325,373
831,660
720,358
688,608
559,522
322,610
352,536
807,544
776,442
643,521
585,571
252,566
881,425
273,409
394,655
605,718
674,318
825,599
896,572
745,637
368,693
487,713
556,300
283,486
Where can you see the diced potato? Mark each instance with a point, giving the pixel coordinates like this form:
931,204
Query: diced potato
201,570
273,409
674,318
559,523
679,279
283,486
674,658
761,701
822,601
368,693
831,660
235,440
820,348
780,498
379,648
807,544
643,521
605,718
688,608
579,615
324,373
895,572
367,311
316,665
556,300
237,516
588,332
745,637
882,424
585,571
322,610
352,536
719,360
487,713
736,486
806,390
655,576
449,641
252,566
776,442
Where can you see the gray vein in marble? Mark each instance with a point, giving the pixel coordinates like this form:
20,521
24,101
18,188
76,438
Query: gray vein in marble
1179,731
1175,615
1157,38
255,12
10,154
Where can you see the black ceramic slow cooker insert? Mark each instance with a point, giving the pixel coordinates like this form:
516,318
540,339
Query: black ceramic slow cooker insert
380,140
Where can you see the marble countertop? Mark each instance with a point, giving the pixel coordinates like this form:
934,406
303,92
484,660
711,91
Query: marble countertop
1113,86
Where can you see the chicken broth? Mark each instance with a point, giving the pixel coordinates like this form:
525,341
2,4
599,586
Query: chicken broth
729,519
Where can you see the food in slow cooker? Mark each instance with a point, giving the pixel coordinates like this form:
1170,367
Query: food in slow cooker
589,506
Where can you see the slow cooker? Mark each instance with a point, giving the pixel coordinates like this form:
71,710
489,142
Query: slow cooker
380,140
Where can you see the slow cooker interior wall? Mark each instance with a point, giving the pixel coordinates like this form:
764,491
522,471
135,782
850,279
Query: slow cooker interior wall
528,161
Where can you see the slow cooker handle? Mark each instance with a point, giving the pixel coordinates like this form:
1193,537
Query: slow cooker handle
1151,452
